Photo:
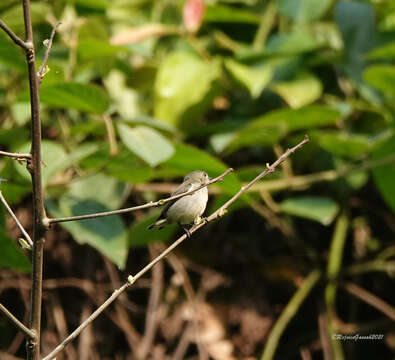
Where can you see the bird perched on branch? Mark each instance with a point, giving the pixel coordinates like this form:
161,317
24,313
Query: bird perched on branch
187,209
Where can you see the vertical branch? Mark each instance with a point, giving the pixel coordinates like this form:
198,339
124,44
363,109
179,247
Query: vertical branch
34,167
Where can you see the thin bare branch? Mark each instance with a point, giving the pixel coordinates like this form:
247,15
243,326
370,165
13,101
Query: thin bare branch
16,39
132,279
370,299
16,155
42,70
27,332
23,231
161,202
34,167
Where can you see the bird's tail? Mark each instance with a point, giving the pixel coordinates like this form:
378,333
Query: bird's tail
158,223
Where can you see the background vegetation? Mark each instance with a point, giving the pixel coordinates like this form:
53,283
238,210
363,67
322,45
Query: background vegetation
139,93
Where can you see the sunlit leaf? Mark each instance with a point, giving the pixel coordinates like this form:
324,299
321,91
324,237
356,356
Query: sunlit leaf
346,144
303,90
254,79
386,51
55,158
221,13
382,77
146,143
83,97
320,209
96,49
271,127
111,190
179,86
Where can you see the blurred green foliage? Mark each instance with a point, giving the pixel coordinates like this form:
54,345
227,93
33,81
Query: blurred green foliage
132,97
257,74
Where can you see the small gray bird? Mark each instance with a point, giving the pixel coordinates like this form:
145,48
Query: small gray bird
187,209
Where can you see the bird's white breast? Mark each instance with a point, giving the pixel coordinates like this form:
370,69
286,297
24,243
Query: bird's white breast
186,209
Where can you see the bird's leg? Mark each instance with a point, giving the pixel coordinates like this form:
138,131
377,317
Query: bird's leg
187,232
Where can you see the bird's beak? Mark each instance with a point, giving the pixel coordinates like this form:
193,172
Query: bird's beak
210,178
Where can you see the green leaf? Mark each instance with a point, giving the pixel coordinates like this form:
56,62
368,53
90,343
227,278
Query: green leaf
271,127
356,23
15,192
188,158
140,236
11,55
293,43
345,144
13,17
254,79
146,143
11,256
55,158
382,77
111,190
181,86
21,112
303,11
92,4
227,14
384,176
125,166
124,98
303,90
305,118
106,234
96,49
320,209
83,97
386,51
257,133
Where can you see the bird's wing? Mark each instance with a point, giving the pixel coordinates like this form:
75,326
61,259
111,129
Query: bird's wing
184,187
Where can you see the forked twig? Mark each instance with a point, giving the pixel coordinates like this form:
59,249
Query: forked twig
16,39
42,70
132,279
